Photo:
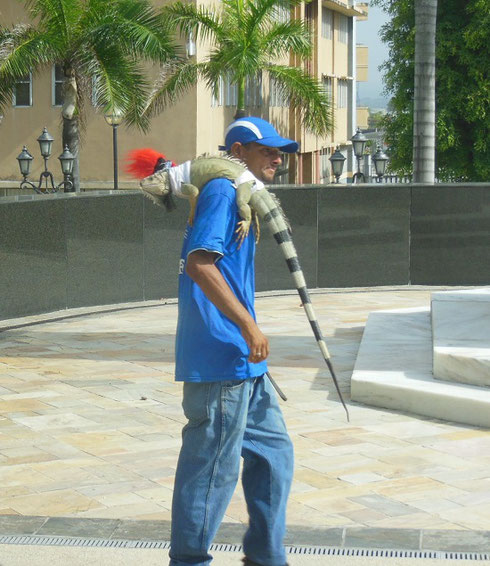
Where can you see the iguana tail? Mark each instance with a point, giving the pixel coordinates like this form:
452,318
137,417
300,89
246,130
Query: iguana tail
267,207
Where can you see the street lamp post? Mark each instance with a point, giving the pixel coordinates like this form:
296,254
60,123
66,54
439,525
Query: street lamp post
380,159
337,160
66,160
359,141
114,118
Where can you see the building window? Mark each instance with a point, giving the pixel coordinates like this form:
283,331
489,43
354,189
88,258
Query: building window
217,98
343,29
327,23
277,96
23,91
309,15
227,93
57,85
282,13
282,174
325,166
230,92
253,91
327,87
342,93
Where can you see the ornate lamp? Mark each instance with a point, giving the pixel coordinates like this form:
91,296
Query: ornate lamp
66,159
380,160
114,118
45,143
337,160
359,141
25,159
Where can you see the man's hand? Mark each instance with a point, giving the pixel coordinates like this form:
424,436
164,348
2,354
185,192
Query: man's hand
257,343
202,270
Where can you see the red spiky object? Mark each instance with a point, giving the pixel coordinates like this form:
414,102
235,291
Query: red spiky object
140,163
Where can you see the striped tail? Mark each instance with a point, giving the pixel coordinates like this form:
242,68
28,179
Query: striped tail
268,208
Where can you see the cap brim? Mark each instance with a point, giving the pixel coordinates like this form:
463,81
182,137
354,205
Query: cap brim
288,146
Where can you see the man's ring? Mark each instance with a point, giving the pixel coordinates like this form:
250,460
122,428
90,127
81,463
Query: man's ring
258,353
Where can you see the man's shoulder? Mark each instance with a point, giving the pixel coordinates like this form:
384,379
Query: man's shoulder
220,186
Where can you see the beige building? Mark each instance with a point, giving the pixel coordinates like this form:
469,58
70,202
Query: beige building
362,76
196,123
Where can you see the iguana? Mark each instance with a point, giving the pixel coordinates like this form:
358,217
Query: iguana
187,179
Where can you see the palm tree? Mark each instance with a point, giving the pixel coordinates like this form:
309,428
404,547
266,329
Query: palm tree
424,115
246,38
101,46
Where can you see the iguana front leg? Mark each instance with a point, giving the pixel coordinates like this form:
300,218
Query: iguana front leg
243,194
192,193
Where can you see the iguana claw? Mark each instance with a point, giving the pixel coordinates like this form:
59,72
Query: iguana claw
242,231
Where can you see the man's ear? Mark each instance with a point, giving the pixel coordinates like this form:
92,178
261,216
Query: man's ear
236,150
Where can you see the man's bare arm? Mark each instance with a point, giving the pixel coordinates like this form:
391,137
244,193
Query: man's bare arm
201,268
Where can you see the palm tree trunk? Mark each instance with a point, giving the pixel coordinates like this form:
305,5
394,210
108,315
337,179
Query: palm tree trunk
71,138
240,111
424,114
71,133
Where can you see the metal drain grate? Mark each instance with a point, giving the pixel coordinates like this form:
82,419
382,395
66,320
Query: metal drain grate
310,550
387,553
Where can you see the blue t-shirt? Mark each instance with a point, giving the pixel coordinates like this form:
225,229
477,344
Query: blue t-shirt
209,346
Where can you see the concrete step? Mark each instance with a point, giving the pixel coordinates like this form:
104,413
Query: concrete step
461,336
393,370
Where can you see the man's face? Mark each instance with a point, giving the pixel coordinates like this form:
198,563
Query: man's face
261,160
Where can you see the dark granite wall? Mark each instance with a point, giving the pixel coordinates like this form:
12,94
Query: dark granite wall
67,251
450,243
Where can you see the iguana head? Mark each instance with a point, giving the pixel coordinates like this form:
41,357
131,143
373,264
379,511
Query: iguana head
158,188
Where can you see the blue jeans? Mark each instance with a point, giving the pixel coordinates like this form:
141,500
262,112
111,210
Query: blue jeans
227,420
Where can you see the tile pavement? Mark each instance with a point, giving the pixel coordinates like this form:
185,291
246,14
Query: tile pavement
90,424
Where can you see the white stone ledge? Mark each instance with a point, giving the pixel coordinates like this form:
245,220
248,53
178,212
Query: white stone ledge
393,370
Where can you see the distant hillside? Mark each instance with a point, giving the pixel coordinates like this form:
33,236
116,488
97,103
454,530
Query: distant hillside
374,103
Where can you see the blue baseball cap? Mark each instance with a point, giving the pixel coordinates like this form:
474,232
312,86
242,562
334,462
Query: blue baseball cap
253,129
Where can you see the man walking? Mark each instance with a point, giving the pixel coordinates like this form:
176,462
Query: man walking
231,407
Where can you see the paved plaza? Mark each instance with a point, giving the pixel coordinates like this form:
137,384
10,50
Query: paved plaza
90,422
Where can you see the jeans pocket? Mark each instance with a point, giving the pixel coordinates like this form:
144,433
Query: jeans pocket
196,402
232,383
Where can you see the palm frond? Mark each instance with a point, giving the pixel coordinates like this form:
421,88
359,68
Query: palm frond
262,12
306,96
22,50
61,15
143,31
186,18
285,37
116,82
174,81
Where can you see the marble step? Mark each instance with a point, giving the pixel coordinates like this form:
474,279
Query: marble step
393,370
461,336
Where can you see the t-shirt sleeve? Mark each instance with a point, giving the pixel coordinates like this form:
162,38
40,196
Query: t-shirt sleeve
215,214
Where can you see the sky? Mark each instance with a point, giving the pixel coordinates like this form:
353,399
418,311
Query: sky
370,93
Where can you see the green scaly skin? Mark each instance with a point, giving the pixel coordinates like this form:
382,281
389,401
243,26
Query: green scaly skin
203,169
